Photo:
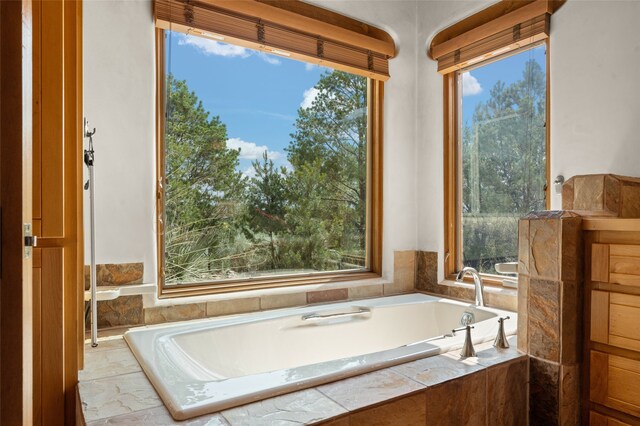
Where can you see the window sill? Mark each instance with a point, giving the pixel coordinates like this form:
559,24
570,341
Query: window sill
371,287
493,289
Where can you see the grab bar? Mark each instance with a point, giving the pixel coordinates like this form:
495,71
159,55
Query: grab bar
315,317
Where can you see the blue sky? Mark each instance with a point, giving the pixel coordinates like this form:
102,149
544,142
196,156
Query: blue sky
257,95
478,82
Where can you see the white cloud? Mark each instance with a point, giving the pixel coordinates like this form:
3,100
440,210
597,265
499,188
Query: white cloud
249,172
310,67
270,59
470,85
212,47
251,151
215,48
308,97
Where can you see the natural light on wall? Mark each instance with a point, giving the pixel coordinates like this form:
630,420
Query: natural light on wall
503,153
266,164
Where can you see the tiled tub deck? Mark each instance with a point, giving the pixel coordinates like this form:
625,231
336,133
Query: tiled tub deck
490,389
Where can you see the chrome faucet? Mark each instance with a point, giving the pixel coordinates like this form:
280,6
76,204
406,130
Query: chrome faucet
477,280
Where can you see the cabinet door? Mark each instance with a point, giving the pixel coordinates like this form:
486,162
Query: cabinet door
616,264
615,319
597,419
615,382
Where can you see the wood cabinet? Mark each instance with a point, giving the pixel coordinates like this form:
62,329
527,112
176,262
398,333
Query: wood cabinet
612,341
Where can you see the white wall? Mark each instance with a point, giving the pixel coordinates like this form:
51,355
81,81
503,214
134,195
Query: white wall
595,89
119,93
594,112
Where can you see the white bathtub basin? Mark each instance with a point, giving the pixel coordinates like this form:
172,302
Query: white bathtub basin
203,366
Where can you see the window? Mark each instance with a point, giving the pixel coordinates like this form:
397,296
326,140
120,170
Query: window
496,130
503,151
268,168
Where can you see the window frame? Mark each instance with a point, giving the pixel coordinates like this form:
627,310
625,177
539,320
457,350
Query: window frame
453,261
375,89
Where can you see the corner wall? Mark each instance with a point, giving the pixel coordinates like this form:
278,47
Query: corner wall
594,103
119,101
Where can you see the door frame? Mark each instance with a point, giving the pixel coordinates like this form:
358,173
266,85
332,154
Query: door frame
15,202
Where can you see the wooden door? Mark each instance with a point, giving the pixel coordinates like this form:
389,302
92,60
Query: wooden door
57,209
15,202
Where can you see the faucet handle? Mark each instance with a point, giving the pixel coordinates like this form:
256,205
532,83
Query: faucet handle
467,349
501,337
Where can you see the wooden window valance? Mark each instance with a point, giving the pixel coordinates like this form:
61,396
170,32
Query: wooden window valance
287,28
503,27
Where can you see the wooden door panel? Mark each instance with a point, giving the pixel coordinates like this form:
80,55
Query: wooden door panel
615,382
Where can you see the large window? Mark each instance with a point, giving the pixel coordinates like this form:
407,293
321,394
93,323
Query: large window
502,142
498,156
266,168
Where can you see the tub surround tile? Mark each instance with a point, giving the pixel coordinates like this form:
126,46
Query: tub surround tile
275,301
115,274
365,291
159,416
107,363
523,313
404,271
117,395
550,302
427,271
569,393
488,355
571,295
368,389
438,369
326,296
461,292
340,421
544,378
571,249
507,395
408,411
501,301
459,402
234,306
125,310
303,407
544,246
175,313
544,316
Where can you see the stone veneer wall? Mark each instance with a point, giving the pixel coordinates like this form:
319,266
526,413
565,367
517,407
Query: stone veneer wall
413,270
403,282
427,281
550,295
602,195
124,310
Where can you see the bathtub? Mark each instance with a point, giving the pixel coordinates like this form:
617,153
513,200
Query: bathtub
204,366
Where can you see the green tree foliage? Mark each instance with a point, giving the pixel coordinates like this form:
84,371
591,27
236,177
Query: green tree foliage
504,165
200,185
220,224
330,142
266,203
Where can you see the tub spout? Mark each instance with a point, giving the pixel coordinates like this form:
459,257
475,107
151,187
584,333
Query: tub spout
477,280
